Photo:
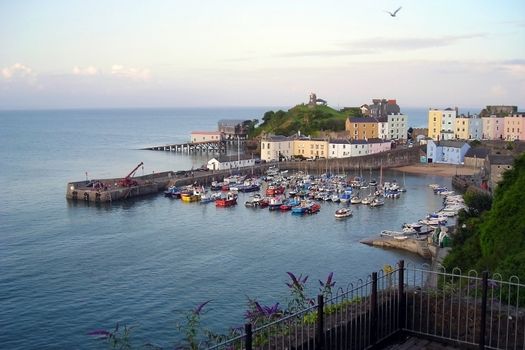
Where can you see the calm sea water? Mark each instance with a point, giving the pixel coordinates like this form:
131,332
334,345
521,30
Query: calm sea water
66,269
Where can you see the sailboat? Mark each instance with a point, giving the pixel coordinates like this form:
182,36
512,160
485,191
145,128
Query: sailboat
403,189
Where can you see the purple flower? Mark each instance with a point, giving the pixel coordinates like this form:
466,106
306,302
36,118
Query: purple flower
100,332
297,282
328,282
198,310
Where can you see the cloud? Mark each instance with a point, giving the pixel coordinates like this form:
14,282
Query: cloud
382,43
87,71
130,72
498,90
378,45
16,71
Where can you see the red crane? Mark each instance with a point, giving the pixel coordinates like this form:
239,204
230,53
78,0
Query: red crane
128,181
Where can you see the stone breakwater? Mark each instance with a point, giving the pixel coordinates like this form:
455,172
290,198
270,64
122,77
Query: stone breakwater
108,190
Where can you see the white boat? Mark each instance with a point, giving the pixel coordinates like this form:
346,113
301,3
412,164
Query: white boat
376,202
355,200
343,213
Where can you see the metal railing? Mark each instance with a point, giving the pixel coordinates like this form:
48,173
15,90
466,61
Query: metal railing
460,309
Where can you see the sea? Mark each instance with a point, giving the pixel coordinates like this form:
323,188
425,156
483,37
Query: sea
68,268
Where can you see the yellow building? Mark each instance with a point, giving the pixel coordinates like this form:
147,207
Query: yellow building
434,123
310,148
362,128
462,127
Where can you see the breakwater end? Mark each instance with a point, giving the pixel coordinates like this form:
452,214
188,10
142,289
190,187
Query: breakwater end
416,245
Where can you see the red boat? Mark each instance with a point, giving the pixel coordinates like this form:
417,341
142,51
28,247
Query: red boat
226,201
273,190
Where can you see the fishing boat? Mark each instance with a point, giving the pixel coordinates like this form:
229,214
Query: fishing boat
227,200
376,202
190,197
306,207
173,192
343,213
275,203
355,199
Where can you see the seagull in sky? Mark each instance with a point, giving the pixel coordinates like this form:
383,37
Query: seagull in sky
393,14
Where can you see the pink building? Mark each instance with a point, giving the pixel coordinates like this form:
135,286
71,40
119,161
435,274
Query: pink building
514,127
493,128
378,145
205,136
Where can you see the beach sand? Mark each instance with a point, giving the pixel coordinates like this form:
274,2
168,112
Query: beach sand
438,169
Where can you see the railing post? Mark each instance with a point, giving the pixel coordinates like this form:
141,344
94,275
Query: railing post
483,316
373,311
320,323
248,336
401,301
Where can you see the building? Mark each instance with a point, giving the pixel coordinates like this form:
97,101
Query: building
378,145
499,111
397,126
358,148
475,128
493,127
205,136
382,128
383,107
441,123
496,165
233,129
276,148
362,128
310,148
514,127
230,162
314,101
339,149
462,126
475,157
447,151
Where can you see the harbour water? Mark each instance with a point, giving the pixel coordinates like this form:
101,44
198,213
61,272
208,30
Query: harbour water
66,269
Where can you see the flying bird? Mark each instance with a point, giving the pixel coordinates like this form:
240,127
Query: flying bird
393,14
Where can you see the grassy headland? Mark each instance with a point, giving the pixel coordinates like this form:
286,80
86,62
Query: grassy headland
309,120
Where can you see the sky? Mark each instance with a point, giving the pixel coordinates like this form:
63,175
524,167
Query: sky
207,53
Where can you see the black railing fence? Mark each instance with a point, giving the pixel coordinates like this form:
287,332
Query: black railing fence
462,309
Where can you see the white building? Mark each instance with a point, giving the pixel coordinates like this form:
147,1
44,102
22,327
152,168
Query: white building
230,162
382,128
448,124
397,126
205,136
276,147
339,149
358,148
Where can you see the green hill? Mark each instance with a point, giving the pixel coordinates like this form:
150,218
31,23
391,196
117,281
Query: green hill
310,120
494,239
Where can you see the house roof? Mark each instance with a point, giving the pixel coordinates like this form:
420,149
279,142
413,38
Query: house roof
340,142
378,140
363,120
277,138
477,152
232,122
232,158
500,159
206,132
358,142
452,143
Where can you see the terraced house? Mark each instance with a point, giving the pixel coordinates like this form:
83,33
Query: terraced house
310,147
441,123
276,148
362,128
514,127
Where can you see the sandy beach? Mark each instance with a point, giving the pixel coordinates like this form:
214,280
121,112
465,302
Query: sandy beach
438,169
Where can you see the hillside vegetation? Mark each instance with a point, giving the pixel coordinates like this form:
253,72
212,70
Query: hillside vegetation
309,120
491,234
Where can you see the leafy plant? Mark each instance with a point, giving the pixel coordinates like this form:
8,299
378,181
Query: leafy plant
299,300
119,338
192,327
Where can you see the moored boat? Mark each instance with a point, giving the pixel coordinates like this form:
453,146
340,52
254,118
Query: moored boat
343,213
226,201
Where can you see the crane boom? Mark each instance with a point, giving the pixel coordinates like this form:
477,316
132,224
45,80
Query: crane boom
133,171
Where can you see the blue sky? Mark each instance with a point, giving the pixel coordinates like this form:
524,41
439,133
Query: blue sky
62,54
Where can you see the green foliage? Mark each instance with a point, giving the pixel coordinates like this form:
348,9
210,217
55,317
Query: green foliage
493,239
310,120
474,143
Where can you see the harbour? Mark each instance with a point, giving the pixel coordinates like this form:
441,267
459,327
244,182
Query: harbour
68,267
